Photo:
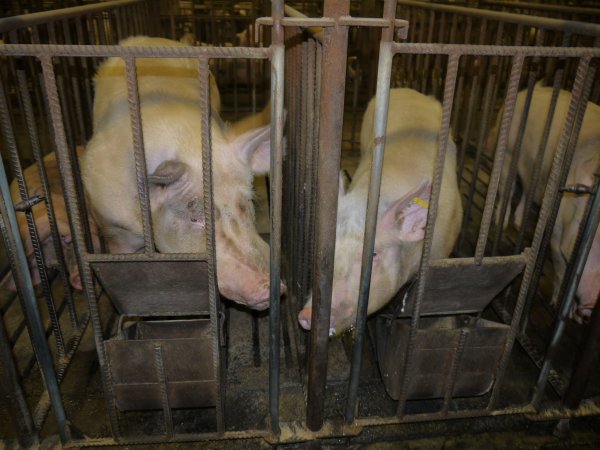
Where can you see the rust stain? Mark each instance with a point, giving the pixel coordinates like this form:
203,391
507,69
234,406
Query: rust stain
379,140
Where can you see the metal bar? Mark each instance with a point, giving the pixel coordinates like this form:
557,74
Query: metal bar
584,240
509,107
75,222
207,181
450,382
588,354
22,277
489,50
124,257
133,100
546,7
449,86
384,74
28,20
31,225
12,392
549,199
161,377
584,28
144,51
277,114
333,81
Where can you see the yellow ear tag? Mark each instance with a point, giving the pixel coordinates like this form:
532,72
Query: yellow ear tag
420,202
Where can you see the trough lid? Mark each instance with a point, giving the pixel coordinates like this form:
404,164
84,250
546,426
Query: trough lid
155,288
459,286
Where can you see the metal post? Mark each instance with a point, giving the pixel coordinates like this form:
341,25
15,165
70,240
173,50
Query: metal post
333,81
384,74
277,91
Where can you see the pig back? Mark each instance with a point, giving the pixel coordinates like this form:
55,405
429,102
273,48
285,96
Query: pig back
412,135
588,143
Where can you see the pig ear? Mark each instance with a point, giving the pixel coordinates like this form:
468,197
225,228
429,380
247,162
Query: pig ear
167,172
406,218
254,148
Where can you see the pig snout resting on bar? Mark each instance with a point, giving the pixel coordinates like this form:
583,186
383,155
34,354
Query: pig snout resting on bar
411,146
169,91
40,215
584,164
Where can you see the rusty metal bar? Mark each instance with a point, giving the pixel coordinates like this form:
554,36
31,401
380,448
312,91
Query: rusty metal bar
509,107
584,240
145,51
456,358
549,199
449,87
207,182
13,394
545,7
333,81
584,28
28,20
31,225
141,172
384,74
164,394
22,277
277,114
588,354
63,157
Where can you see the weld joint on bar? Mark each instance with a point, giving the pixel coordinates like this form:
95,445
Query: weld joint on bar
578,189
27,205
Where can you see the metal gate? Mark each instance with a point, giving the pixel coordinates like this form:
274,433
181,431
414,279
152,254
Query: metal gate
473,61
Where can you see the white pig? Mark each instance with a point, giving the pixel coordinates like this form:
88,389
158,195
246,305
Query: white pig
411,145
40,215
585,162
169,94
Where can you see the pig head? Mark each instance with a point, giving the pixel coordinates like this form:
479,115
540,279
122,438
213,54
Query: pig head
172,132
411,146
40,216
584,164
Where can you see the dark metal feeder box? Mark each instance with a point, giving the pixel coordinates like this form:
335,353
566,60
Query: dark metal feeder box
162,361
449,340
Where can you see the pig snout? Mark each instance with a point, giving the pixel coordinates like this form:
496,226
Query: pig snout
250,292
305,320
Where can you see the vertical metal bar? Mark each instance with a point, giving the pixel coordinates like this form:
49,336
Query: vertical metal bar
457,357
333,81
12,393
68,184
588,354
509,107
549,199
18,259
161,377
277,91
384,74
207,181
584,241
133,98
451,73
380,124
56,240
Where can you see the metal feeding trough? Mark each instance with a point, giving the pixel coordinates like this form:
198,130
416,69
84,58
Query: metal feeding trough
153,362
447,339
155,288
159,359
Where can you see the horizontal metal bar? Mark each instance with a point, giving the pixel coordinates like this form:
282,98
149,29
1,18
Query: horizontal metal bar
346,21
141,257
543,7
495,50
44,17
146,52
581,28
297,432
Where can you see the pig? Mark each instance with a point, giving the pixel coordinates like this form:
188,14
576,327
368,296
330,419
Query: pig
171,116
570,214
411,145
40,215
